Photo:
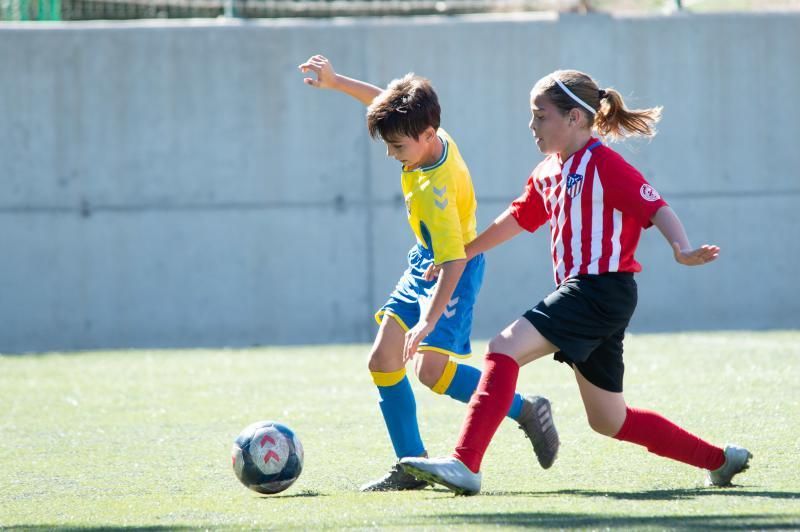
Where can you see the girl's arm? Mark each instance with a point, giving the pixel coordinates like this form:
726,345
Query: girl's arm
671,227
327,78
504,228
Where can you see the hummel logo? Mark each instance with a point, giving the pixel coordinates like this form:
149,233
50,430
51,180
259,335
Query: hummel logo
450,310
440,191
441,204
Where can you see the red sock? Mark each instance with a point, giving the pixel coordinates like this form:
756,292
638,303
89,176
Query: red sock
664,438
487,408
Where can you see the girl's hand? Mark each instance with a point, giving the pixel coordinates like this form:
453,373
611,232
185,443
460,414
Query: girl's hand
695,257
413,338
432,272
326,76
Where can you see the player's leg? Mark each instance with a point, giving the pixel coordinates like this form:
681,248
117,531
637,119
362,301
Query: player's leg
573,320
397,404
451,338
436,366
533,413
605,410
609,415
515,346
518,344
446,376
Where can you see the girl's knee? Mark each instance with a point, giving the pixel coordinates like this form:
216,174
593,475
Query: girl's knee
517,346
601,427
605,425
496,345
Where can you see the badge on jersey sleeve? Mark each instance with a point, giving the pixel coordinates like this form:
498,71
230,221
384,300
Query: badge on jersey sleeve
649,193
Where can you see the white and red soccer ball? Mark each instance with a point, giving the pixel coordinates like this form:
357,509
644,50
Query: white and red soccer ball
267,457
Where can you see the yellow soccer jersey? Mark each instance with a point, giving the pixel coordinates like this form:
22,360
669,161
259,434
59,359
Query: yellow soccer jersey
440,202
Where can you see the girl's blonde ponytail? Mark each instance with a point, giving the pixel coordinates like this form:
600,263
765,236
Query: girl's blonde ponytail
615,122
611,119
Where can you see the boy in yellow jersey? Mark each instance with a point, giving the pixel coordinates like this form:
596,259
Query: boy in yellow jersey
429,320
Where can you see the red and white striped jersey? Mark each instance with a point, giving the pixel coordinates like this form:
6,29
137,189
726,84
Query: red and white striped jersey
597,205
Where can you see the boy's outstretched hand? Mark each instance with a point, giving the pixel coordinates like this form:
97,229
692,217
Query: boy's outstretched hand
318,64
695,257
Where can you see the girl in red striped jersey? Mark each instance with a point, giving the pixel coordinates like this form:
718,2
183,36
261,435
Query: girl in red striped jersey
596,205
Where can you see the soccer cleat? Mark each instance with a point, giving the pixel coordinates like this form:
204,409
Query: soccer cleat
536,421
395,480
736,461
449,472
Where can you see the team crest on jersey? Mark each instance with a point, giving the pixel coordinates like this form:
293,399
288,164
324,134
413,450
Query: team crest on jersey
574,184
649,193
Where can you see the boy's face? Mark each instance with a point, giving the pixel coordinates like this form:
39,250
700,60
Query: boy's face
549,125
414,153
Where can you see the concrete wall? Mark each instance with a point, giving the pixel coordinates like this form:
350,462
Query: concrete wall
175,183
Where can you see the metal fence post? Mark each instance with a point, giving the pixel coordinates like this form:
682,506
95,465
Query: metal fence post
229,9
48,10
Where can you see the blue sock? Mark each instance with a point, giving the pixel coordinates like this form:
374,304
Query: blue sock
399,411
464,382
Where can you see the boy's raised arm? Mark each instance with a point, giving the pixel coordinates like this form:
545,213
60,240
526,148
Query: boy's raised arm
327,78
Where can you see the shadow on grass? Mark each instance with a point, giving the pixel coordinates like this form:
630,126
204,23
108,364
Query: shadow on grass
73,528
651,495
304,493
603,521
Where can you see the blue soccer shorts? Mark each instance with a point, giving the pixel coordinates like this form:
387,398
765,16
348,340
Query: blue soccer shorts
413,293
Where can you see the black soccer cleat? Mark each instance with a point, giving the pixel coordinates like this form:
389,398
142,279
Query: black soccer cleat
395,480
536,421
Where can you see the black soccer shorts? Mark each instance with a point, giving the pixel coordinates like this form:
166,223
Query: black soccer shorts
586,317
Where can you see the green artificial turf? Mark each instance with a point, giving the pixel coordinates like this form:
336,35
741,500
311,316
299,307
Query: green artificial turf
142,439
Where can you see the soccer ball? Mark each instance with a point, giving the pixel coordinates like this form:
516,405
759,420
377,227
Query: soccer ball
267,457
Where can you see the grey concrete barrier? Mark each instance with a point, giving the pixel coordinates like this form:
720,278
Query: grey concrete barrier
174,183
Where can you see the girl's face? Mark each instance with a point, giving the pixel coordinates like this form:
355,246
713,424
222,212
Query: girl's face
551,128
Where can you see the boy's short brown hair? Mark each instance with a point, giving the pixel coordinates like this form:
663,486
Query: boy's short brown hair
407,107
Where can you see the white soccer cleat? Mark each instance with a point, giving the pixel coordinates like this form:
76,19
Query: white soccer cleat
736,460
449,472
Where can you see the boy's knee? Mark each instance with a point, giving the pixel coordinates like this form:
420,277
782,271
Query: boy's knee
382,361
428,373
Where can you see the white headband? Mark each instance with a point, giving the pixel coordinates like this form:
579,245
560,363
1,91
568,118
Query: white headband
573,96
